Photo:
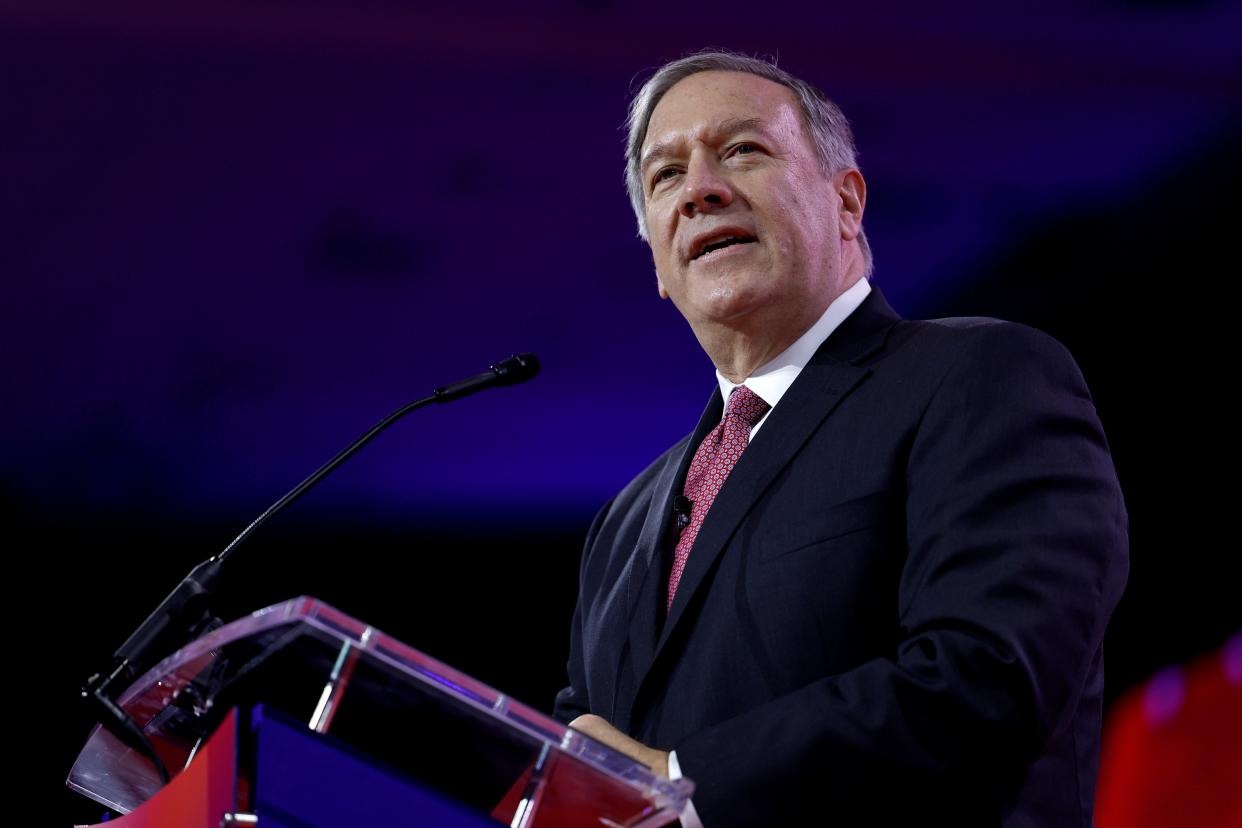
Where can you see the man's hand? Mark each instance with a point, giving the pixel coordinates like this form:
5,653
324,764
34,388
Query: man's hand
600,730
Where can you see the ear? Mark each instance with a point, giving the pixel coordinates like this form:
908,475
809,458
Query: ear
853,192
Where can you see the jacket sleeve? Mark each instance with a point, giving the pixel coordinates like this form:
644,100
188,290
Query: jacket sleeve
573,701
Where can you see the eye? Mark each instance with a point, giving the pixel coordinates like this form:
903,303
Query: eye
664,174
745,148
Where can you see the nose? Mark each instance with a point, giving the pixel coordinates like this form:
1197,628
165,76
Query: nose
705,187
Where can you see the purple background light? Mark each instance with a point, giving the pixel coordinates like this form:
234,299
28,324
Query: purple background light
1166,692
1233,659
241,235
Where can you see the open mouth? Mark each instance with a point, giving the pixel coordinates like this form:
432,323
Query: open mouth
721,243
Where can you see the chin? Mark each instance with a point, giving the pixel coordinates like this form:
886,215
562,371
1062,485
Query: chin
727,305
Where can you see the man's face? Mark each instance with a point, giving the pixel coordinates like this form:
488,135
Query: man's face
744,225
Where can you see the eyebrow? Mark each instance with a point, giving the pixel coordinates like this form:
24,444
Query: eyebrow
729,126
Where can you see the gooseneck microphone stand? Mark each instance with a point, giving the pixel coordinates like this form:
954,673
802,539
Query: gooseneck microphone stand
186,614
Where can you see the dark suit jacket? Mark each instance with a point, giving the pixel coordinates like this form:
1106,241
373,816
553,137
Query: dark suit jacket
894,608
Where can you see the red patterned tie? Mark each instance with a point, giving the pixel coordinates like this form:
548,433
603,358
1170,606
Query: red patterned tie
715,458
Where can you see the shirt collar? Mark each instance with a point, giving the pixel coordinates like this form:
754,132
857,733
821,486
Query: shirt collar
772,379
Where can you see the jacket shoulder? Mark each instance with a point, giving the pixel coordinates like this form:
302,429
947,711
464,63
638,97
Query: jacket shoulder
981,339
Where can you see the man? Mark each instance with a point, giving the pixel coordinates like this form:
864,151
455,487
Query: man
872,587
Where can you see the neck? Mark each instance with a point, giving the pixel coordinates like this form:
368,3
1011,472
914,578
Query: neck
738,347
738,356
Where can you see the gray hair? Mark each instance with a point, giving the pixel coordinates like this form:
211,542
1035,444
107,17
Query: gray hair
824,121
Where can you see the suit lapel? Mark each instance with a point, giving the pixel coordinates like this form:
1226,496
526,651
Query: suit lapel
653,540
827,379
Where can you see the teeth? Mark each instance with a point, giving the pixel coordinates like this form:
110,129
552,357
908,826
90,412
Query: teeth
717,244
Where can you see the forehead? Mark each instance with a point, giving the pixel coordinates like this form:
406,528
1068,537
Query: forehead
700,103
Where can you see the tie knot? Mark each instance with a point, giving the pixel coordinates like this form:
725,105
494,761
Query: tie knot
747,405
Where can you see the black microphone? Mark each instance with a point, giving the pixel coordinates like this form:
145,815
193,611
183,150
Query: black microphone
517,368
682,507
185,613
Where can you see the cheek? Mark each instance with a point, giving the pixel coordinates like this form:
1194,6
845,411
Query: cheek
659,238
812,238
664,261
787,246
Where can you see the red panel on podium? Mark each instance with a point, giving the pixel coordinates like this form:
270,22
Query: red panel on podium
199,796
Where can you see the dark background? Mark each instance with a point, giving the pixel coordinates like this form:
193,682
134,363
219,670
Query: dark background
235,235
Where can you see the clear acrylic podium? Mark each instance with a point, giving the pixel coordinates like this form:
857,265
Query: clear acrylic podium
330,720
